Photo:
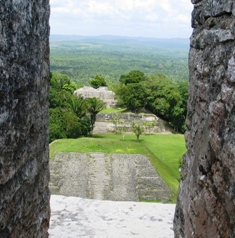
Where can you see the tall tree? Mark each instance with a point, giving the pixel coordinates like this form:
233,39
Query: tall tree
94,106
77,106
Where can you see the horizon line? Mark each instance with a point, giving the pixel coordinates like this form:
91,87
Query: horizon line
144,37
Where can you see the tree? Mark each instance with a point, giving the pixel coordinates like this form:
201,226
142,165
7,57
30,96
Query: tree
134,76
57,124
86,125
164,100
73,127
116,119
138,129
133,96
77,106
119,125
94,106
57,81
98,81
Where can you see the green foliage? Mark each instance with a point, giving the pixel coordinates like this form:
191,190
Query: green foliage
81,61
77,106
67,113
86,126
134,76
94,106
119,126
113,110
56,124
57,81
138,129
98,81
148,126
132,96
159,95
73,126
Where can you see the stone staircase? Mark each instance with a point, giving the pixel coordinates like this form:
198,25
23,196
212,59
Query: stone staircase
99,176
117,177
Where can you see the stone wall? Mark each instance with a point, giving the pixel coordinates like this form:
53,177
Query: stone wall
24,71
117,177
104,123
206,199
102,92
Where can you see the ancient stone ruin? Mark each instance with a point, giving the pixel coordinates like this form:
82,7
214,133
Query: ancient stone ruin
106,123
116,177
102,92
206,199
24,71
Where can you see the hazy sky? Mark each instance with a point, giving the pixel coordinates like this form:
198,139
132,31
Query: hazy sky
147,18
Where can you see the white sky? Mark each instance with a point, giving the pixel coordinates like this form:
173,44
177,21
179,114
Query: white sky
146,18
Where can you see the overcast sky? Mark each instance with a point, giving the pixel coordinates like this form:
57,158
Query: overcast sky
146,18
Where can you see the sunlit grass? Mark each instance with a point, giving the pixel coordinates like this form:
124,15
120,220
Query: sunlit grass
113,110
167,152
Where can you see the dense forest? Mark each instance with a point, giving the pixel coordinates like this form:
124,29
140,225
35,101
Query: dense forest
82,58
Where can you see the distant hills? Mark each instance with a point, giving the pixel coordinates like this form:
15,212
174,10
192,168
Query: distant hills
84,57
160,42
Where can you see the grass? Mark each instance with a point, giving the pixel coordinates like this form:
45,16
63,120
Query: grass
106,143
113,110
167,150
163,150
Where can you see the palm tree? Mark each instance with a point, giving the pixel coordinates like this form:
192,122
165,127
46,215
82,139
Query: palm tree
94,106
77,106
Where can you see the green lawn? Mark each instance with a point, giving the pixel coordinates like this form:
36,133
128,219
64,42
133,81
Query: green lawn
164,151
112,110
167,150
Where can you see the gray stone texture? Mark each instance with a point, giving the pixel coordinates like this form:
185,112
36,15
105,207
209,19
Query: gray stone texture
206,199
24,71
117,177
104,123
102,92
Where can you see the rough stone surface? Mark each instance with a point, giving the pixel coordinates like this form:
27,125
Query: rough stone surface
24,69
206,199
102,92
74,217
104,123
116,177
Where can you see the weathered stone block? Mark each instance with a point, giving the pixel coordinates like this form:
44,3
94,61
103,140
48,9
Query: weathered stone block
118,177
24,71
206,198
